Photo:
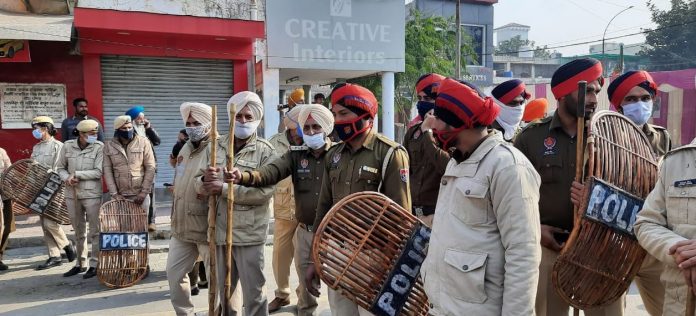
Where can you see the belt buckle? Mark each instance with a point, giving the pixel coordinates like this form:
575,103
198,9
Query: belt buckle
310,228
418,210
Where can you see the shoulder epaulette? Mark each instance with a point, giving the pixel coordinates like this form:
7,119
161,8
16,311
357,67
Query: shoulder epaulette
387,141
691,146
536,123
267,143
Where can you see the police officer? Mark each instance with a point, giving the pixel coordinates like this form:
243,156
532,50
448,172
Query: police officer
365,161
665,226
252,208
427,160
46,153
551,145
284,213
305,164
633,94
7,224
484,250
80,166
511,96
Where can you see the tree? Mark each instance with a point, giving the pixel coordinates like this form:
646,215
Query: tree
431,45
514,45
672,44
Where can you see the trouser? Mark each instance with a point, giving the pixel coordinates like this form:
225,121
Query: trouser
54,236
7,225
548,303
651,289
194,273
181,258
283,249
427,219
151,207
247,270
342,306
82,211
306,303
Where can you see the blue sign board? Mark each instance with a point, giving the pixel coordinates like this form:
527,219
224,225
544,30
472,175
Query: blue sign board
612,206
123,241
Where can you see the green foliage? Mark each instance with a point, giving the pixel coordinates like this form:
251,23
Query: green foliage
512,47
672,45
431,45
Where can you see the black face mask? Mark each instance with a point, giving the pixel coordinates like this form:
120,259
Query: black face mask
125,134
347,130
424,107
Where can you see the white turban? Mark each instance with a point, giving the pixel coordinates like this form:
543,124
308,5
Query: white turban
320,114
250,99
290,120
200,112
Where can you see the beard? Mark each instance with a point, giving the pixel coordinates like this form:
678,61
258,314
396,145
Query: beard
571,106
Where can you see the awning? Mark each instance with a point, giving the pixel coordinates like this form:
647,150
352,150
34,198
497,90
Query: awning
35,27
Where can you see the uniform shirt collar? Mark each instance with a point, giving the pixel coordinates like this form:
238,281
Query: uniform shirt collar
555,121
369,141
648,130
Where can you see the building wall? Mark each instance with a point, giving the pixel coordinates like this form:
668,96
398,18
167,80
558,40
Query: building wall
475,14
509,33
51,63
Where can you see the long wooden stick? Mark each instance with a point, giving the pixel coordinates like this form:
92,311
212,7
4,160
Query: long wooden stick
690,303
212,213
579,150
230,209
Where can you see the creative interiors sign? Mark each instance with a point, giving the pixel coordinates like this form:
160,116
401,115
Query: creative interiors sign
336,34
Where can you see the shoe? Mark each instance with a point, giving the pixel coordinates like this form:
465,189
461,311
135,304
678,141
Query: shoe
203,284
3,266
70,252
73,271
277,303
194,291
152,227
90,273
50,263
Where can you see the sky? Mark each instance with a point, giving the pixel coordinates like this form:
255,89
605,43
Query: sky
562,22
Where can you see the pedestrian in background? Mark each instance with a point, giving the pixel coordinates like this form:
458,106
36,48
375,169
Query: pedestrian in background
143,127
8,224
68,126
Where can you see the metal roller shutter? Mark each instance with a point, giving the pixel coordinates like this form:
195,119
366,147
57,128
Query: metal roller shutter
161,85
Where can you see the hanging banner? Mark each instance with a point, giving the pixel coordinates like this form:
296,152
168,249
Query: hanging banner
14,51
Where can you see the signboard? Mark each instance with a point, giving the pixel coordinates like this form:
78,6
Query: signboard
122,241
475,35
612,206
336,34
20,103
479,76
46,193
14,51
394,294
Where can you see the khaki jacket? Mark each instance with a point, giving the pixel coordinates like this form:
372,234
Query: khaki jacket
85,164
252,206
5,162
129,171
46,152
284,197
669,216
190,211
484,250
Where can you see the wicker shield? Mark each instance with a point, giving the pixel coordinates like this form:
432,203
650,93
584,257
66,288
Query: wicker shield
370,249
123,243
36,187
602,254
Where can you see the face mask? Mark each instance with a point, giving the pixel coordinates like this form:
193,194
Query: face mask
244,131
37,133
423,108
315,141
196,133
91,139
125,134
509,118
348,130
446,138
638,112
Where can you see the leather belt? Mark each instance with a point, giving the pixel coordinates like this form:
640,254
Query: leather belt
309,228
423,210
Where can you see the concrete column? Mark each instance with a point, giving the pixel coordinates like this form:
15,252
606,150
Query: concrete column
388,104
271,88
307,94
508,67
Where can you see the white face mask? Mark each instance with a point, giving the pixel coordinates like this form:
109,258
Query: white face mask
638,112
315,141
244,131
509,118
196,133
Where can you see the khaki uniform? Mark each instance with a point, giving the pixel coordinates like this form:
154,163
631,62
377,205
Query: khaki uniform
252,209
189,226
307,170
83,200
349,171
491,201
659,139
552,152
427,163
285,223
46,153
7,223
667,217
131,170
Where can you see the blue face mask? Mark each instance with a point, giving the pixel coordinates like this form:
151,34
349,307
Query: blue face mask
91,139
638,112
37,133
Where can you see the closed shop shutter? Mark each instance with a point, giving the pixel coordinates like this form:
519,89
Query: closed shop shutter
161,85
